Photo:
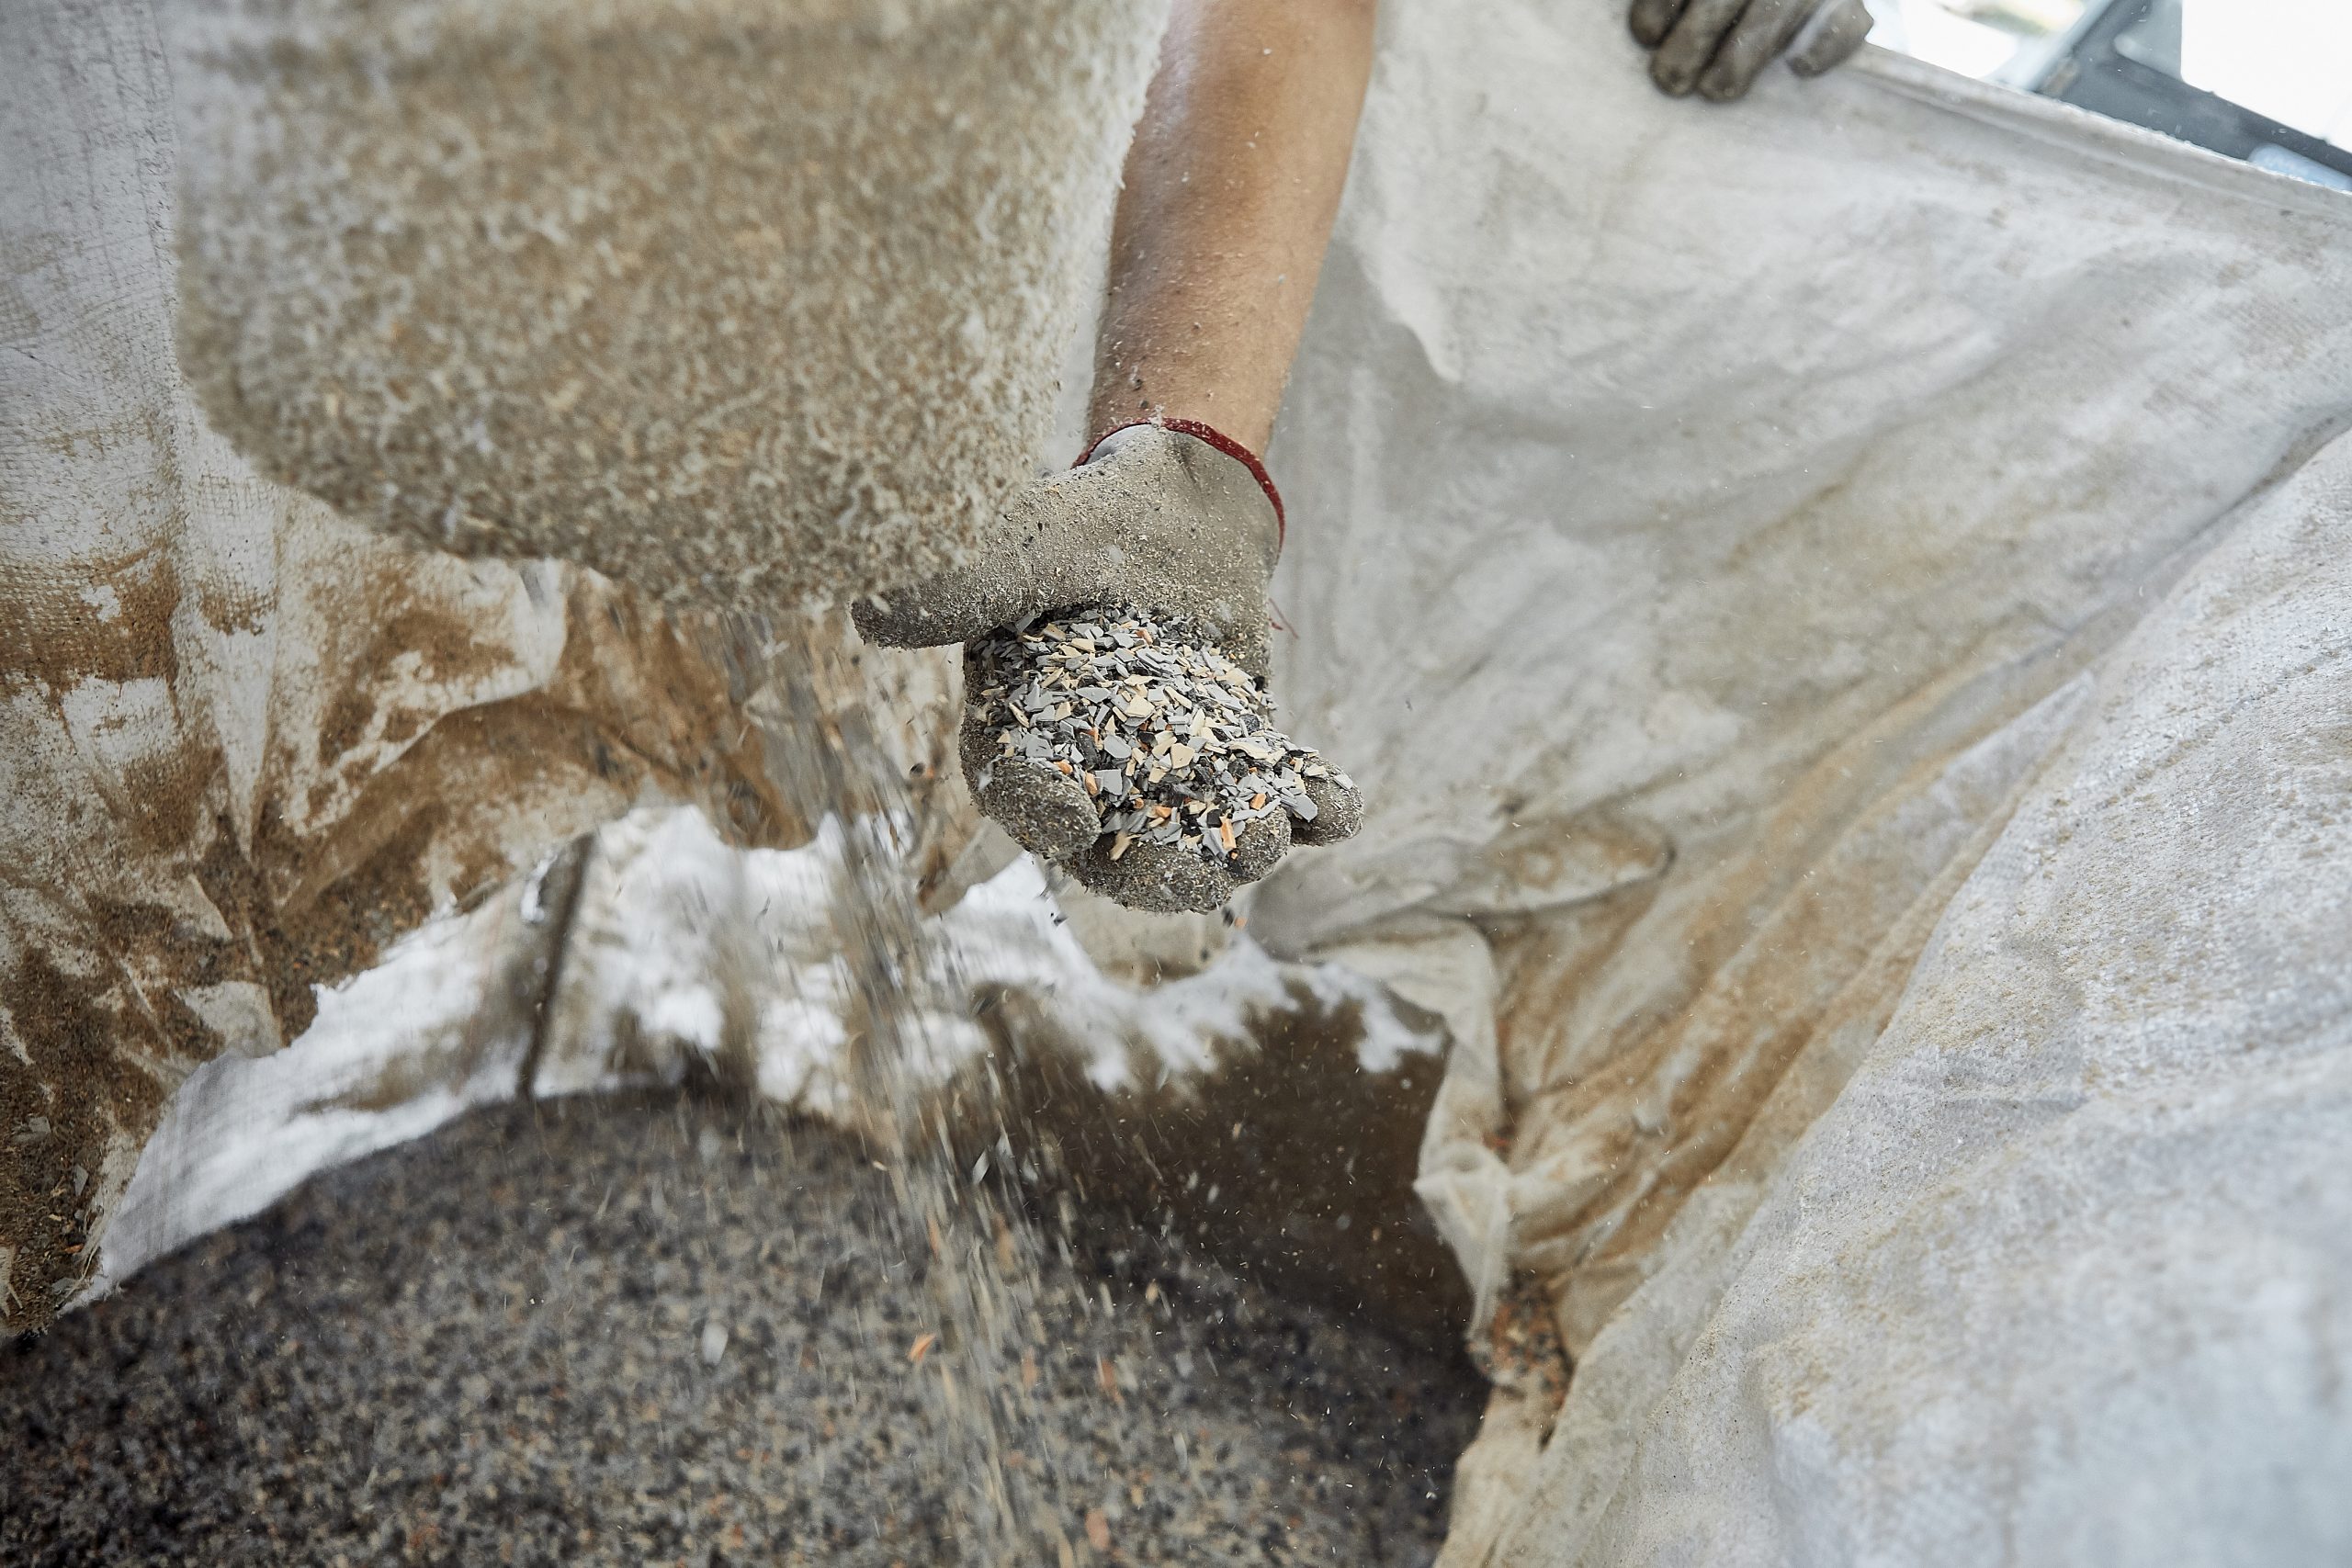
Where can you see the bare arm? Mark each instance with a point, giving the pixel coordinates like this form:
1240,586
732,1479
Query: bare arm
1231,186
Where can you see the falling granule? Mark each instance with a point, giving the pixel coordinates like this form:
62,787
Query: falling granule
1173,742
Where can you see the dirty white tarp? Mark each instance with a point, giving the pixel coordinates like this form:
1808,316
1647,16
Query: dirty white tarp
677,940
243,743
1745,549
2062,1274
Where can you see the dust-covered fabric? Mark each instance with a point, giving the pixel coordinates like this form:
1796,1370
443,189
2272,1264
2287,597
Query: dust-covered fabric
2062,1275
743,303
1708,524
243,743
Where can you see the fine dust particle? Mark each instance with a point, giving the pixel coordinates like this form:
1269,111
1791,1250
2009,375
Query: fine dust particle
714,1342
1098,1530
357,1314
741,303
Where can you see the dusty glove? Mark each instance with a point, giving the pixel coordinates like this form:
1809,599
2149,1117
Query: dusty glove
1719,46
1155,518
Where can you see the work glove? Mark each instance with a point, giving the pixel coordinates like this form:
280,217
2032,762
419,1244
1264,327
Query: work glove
1174,521
1719,46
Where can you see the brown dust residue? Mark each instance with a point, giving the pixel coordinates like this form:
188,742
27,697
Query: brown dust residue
351,844
1287,1158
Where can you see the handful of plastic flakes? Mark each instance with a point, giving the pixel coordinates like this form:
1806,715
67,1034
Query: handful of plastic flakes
1173,742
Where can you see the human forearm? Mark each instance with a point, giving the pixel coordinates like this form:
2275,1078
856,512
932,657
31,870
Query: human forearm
1231,186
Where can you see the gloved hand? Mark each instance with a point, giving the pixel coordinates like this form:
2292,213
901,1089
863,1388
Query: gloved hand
1161,520
1719,46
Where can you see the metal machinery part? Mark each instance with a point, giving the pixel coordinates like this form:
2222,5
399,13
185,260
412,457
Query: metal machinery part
2123,60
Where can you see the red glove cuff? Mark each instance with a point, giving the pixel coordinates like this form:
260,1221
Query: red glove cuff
1215,437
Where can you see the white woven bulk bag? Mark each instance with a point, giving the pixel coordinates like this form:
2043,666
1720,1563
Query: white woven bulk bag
746,304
